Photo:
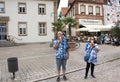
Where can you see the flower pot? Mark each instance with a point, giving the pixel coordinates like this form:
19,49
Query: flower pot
72,46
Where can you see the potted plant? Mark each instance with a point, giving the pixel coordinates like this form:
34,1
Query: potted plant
71,23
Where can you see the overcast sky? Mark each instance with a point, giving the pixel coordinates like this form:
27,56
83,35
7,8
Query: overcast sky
63,3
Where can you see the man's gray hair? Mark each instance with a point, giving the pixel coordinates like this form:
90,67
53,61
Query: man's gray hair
59,32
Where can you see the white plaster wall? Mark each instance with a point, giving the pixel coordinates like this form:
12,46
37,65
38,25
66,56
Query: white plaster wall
32,18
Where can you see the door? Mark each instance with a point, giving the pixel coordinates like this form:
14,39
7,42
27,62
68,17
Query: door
3,31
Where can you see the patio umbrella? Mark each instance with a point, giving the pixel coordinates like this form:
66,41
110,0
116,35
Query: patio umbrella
106,27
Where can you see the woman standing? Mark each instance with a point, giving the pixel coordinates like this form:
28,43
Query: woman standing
93,49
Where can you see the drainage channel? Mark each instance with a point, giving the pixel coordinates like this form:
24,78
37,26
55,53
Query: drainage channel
76,70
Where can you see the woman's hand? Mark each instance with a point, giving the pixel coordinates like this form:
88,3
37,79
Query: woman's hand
92,43
96,49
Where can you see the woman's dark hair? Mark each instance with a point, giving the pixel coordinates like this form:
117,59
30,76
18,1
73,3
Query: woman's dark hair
95,41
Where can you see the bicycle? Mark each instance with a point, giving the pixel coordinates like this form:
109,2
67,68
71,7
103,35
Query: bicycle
77,45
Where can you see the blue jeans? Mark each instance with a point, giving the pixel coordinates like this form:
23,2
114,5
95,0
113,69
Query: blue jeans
61,63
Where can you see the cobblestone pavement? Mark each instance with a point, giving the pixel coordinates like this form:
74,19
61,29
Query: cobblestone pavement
107,72
37,62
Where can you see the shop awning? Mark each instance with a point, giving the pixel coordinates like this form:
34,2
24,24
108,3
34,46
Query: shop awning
92,30
96,28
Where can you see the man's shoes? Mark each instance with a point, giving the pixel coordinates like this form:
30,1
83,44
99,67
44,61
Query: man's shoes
93,76
85,77
65,78
58,79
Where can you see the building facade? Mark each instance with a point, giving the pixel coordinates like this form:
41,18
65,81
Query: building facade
88,13
27,21
112,11
97,15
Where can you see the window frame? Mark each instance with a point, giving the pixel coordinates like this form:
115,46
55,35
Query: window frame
4,6
90,13
19,34
82,12
45,28
96,10
44,13
22,3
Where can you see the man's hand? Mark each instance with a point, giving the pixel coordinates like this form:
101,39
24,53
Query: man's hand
59,42
60,39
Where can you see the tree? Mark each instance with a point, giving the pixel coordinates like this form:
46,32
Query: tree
71,23
116,31
57,26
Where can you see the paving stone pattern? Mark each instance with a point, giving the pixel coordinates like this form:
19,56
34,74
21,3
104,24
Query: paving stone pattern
37,62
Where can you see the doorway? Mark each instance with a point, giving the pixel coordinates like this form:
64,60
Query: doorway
3,31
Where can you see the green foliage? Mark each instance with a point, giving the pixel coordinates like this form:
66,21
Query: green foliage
116,31
61,23
60,16
71,23
57,26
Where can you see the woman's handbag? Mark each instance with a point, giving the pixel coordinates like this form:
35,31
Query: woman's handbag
87,55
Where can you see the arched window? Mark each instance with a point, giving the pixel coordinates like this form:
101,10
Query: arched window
82,9
90,10
97,10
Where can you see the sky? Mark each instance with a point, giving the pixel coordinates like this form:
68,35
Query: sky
63,3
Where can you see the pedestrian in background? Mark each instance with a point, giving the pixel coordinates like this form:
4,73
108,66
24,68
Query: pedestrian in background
62,54
93,48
